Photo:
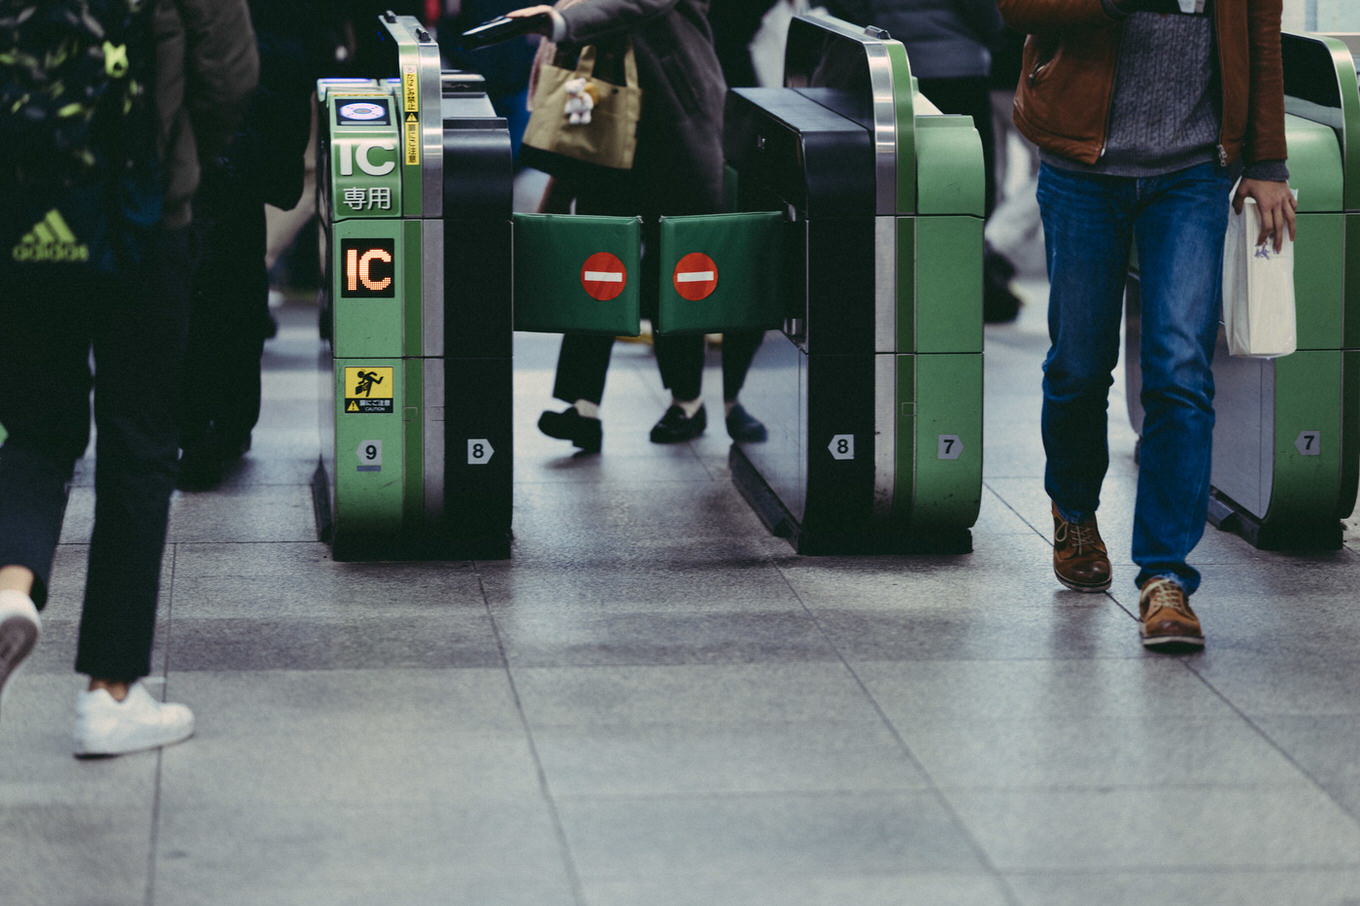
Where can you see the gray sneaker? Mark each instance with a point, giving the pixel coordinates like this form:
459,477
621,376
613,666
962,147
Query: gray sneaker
19,627
105,726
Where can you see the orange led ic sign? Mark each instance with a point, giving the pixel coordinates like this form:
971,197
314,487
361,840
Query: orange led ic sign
368,268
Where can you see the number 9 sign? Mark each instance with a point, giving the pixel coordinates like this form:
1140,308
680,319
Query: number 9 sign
369,453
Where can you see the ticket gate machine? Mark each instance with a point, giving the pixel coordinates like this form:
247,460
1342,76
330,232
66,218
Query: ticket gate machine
414,184
872,388
1286,458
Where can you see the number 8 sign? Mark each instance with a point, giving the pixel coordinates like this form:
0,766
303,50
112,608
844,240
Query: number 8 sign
479,451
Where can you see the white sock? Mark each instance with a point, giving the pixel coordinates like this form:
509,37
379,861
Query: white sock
587,409
688,406
15,598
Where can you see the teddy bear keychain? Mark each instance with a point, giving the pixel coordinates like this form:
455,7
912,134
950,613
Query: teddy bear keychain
581,98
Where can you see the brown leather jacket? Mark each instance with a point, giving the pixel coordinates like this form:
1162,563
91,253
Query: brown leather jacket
1062,103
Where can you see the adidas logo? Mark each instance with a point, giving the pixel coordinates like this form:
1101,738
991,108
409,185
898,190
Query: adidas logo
50,240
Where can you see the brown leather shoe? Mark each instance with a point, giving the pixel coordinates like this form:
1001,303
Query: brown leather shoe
1168,620
1080,560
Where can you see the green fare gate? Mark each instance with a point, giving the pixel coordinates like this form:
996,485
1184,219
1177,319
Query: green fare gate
872,387
415,200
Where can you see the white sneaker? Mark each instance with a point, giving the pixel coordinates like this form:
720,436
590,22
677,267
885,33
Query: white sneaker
108,727
19,627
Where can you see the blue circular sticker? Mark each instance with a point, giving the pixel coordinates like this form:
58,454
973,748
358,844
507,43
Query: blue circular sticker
363,110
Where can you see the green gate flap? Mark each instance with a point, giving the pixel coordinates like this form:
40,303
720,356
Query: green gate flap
577,273
721,272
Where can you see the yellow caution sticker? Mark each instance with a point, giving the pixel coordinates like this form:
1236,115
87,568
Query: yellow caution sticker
369,390
410,89
412,140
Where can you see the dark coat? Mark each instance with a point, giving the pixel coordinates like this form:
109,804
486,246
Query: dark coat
678,166
206,67
945,39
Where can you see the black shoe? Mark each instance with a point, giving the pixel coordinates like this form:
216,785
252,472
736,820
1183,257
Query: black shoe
743,428
583,431
200,468
675,427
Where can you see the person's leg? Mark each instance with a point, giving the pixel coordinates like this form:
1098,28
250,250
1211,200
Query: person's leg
245,319
44,344
139,349
1180,252
582,365
738,351
1087,229
1087,232
680,358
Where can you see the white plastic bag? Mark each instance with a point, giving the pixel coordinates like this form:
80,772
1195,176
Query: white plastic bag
1258,288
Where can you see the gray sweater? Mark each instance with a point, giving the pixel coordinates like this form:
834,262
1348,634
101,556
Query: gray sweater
1164,111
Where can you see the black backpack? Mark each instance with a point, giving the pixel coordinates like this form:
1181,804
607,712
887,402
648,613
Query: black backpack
79,176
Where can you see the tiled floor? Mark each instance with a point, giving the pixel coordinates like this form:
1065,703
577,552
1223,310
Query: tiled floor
655,703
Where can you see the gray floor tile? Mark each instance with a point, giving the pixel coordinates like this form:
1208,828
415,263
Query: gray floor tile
712,695
1325,748
1245,887
447,638
301,580
728,582
257,514
75,854
394,853
1044,691
758,757
1284,683
741,889
544,638
1162,826
346,738
1083,751
856,834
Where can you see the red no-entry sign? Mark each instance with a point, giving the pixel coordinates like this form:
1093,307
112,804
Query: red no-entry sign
695,277
603,276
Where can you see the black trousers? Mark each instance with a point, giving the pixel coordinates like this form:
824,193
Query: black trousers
584,361
135,324
229,311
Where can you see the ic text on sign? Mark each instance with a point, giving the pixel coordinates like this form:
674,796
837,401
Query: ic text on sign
369,268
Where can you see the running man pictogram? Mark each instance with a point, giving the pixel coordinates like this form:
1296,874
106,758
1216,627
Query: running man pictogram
364,386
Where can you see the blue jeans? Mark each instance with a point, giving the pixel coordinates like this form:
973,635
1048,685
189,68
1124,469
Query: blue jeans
1178,221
